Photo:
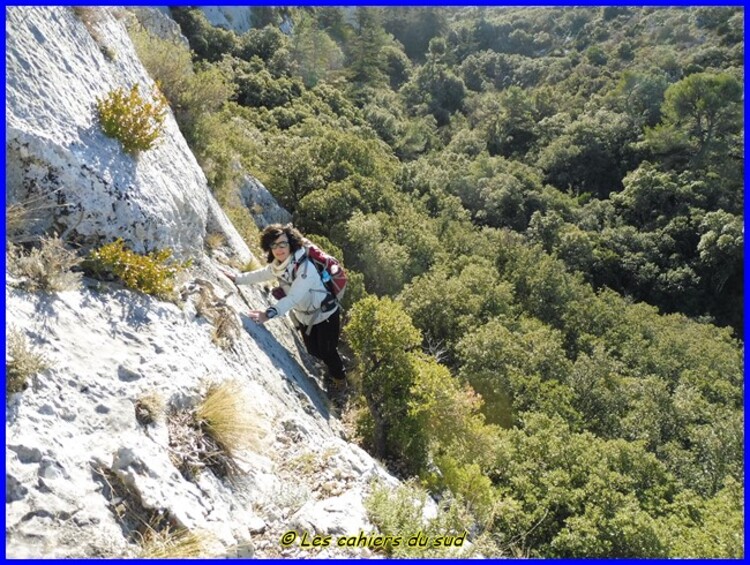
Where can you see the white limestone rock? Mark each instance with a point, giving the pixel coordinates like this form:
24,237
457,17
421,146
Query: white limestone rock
160,24
336,516
55,147
237,18
262,205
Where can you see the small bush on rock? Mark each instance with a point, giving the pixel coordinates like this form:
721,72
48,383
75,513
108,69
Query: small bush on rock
149,408
152,274
226,328
46,267
403,512
127,117
21,363
215,240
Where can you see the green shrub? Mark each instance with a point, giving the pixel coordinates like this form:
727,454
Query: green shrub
21,362
153,273
191,93
397,512
381,335
402,513
127,117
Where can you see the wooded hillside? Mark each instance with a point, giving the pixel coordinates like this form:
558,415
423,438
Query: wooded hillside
542,213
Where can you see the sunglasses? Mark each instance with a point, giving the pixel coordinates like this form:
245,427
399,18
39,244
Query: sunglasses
280,245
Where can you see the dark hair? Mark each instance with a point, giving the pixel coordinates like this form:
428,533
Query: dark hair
274,232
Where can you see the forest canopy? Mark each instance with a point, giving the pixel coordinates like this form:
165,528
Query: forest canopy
542,209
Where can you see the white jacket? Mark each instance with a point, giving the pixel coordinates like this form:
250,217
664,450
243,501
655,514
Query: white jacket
303,293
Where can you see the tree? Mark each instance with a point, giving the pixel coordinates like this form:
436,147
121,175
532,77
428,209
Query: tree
263,43
591,155
315,53
516,367
366,57
436,86
450,300
415,28
508,120
706,109
381,336
207,42
640,95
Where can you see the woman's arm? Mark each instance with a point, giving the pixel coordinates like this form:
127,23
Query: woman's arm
254,277
300,287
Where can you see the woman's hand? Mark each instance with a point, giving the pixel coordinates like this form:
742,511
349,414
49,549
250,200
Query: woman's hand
258,316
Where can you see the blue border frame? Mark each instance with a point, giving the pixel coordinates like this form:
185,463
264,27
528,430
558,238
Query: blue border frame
550,3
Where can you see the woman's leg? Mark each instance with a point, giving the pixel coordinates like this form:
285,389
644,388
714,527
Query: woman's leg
323,342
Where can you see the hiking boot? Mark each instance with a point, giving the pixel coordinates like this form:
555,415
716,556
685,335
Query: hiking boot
335,386
337,390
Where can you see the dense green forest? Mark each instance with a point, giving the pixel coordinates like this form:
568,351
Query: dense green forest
542,213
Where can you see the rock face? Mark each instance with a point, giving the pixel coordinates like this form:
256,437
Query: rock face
108,350
159,24
237,18
262,205
56,149
79,455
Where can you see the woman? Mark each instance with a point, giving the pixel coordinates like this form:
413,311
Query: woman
316,316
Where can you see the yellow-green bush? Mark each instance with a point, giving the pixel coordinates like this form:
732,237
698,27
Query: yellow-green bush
153,273
127,117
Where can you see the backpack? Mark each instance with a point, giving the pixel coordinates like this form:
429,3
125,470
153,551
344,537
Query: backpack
331,272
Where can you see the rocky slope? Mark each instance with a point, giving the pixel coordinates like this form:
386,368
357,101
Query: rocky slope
74,435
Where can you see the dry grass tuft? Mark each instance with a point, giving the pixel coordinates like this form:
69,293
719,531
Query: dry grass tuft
225,416
214,433
21,362
156,531
17,216
215,240
187,447
46,267
226,328
252,265
149,408
170,543
22,217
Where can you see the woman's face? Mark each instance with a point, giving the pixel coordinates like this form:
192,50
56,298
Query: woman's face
280,248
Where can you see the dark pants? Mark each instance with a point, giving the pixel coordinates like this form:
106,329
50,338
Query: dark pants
323,341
